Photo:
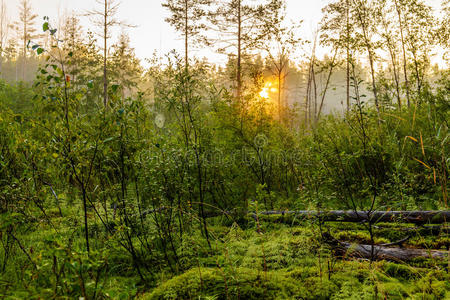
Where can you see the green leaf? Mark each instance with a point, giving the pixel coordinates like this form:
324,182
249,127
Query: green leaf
45,26
90,84
114,87
109,139
39,51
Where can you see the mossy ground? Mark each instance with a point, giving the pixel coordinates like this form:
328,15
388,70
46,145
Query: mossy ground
280,260
289,262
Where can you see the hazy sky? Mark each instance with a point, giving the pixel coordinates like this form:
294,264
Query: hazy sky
152,33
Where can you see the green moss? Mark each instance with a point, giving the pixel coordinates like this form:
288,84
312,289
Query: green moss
351,292
434,283
359,237
392,290
243,283
399,271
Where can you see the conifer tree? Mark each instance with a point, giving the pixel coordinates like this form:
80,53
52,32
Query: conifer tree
242,26
105,19
125,67
25,30
187,18
3,32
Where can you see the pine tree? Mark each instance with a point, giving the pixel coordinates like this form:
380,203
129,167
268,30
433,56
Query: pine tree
72,33
3,33
105,19
242,26
125,67
187,18
25,29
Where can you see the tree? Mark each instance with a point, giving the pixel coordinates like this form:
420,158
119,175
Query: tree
388,34
285,42
311,87
72,32
3,33
444,29
73,42
337,34
242,26
363,12
105,20
25,30
186,17
125,67
415,23
405,72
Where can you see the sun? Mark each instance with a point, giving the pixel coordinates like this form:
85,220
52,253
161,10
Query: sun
264,93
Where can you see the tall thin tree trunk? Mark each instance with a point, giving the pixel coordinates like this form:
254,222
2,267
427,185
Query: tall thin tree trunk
308,88
186,35
2,35
105,53
397,82
348,58
400,23
311,79
313,82
315,91
396,76
238,76
279,94
239,68
327,83
24,53
372,72
416,68
393,56
363,20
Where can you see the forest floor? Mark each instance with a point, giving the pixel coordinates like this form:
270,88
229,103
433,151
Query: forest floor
274,258
285,260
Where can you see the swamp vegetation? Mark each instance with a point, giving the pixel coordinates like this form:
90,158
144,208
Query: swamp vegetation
188,180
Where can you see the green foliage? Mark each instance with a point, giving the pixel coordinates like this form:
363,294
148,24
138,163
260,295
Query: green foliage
159,192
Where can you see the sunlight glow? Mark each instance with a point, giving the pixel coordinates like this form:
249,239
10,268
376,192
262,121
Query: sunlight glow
266,89
264,93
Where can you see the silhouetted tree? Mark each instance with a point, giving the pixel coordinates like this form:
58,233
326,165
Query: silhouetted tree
25,29
187,18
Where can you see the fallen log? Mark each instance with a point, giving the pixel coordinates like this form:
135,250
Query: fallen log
390,253
416,217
